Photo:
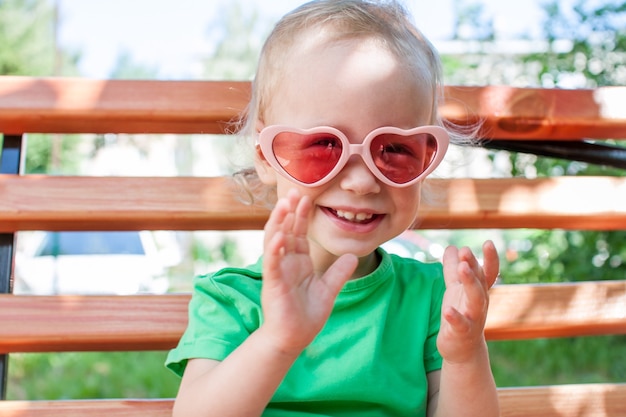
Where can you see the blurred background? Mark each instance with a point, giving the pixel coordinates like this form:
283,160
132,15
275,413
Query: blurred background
559,44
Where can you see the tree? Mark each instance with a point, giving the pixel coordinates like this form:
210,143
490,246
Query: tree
582,47
597,57
239,35
28,40
126,68
28,47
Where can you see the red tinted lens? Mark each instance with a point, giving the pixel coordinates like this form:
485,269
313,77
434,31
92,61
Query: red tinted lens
307,158
403,158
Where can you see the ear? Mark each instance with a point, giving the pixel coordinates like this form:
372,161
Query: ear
264,170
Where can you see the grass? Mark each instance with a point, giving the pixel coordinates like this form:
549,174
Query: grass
51,376
578,360
142,374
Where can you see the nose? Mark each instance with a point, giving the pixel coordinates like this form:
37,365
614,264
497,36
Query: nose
357,177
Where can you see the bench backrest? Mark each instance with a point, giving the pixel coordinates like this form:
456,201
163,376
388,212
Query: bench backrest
149,322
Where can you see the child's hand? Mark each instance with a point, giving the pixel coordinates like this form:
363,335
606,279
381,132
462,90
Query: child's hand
465,302
296,299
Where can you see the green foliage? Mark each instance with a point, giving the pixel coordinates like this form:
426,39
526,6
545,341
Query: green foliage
54,154
598,36
27,40
594,34
238,45
127,68
27,47
225,251
471,22
537,256
598,54
50,376
558,361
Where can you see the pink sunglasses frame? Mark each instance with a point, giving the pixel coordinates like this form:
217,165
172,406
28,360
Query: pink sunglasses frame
267,135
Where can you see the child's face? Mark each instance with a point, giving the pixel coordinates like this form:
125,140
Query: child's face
355,86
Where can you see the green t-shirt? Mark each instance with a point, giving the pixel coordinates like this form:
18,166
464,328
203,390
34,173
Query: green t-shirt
370,359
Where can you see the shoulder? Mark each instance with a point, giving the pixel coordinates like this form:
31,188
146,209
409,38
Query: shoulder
412,269
229,285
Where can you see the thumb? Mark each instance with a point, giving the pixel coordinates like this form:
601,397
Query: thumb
491,263
340,272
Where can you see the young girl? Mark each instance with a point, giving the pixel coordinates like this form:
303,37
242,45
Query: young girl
344,114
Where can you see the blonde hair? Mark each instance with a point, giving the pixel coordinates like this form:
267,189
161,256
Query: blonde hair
385,21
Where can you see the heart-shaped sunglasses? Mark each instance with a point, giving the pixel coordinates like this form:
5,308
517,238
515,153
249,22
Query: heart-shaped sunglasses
312,157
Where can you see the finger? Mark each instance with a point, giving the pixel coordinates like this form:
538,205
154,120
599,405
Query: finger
491,263
301,225
475,293
272,256
456,320
276,218
303,208
450,262
466,255
282,219
289,245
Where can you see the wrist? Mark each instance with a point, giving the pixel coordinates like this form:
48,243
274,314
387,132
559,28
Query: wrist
278,345
478,354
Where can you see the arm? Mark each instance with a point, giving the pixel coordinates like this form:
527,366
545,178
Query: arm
465,385
296,304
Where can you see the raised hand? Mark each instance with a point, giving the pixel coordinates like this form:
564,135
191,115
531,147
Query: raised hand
296,300
465,302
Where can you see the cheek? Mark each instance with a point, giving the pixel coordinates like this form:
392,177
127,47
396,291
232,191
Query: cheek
283,185
409,204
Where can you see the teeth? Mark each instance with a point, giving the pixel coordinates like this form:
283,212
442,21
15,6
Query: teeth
359,217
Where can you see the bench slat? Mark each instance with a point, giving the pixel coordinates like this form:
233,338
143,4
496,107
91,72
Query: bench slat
91,408
75,105
556,310
155,322
78,105
91,323
35,202
585,400
535,113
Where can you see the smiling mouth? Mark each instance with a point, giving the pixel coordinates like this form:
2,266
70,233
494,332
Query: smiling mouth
354,217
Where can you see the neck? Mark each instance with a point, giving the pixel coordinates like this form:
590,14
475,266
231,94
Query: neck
367,265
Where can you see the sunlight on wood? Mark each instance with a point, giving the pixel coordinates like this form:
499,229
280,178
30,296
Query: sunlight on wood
585,400
611,103
564,195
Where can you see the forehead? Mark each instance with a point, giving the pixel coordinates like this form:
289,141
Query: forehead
325,80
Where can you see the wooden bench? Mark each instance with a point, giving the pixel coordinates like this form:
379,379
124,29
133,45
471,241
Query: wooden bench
152,322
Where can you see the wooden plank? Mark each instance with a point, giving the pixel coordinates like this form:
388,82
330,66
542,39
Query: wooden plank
112,203
74,105
36,202
91,408
152,322
585,400
91,323
79,105
556,310
537,113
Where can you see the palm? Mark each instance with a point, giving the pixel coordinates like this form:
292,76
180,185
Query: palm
465,302
296,301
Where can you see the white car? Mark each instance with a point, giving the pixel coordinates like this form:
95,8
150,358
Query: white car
90,263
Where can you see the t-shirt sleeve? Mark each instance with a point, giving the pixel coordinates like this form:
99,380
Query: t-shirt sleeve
221,316
432,358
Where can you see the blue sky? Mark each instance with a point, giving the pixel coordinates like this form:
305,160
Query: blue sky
171,35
